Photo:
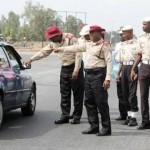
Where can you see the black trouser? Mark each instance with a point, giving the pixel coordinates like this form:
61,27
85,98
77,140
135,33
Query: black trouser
144,79
122,105
129,88
77,86
96,98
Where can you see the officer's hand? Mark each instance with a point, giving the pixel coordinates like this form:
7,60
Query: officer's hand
133,75
28,62
75,75
117,78
106,84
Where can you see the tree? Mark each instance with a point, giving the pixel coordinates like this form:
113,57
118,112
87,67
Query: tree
39,19
73,25
3,23
9,27
13,24
36,19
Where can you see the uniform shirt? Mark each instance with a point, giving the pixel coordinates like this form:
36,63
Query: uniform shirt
82,40
98,54
144,46
128,50
66,58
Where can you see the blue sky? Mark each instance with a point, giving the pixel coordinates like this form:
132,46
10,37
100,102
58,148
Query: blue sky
110,14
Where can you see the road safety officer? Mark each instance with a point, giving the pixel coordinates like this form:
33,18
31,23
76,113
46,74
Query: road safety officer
122,106
144,76
98,70
84,37
126,56
71,76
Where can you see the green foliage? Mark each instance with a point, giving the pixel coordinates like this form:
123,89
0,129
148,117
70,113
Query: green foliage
9,27
73,25
34,22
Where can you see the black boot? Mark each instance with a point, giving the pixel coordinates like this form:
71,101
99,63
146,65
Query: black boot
71,116
132,122
104,132
144,125
62,120
90,131
127,120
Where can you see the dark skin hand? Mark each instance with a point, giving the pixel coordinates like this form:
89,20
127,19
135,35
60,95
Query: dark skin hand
134,75
75,75
106,84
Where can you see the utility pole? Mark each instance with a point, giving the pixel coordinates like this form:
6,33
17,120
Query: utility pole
70,12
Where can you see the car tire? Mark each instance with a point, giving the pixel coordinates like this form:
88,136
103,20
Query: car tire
1,112
29,109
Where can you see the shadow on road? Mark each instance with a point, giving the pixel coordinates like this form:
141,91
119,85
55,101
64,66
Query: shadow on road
16,126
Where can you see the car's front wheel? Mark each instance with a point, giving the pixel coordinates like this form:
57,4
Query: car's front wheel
29,109
1,112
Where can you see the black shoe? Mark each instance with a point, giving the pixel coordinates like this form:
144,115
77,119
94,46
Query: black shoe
75,121
104,132
61,121
126,121
132,122
143,126
71,117
120,118
90,131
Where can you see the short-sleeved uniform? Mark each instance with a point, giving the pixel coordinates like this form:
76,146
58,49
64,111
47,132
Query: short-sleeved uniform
144,76
98,68
127,56
122,104
70,63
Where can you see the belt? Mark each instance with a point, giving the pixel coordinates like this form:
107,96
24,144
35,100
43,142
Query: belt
147,62
95,70
128,62
69,66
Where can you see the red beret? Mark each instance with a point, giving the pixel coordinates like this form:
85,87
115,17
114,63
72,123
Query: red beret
95,28
52,32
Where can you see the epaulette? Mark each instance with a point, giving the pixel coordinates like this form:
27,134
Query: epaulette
69,36
104,43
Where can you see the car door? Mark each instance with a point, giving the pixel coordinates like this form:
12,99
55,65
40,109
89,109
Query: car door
7,80
23,78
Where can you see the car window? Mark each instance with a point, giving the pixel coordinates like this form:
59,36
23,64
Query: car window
12,58
3,59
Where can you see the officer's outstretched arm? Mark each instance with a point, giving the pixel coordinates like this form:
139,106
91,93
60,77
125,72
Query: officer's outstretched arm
72,48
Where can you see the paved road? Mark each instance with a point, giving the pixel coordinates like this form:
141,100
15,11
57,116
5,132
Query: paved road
40,133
